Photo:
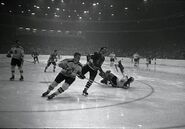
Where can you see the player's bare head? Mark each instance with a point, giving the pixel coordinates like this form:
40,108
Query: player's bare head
77,56
103,50
55,50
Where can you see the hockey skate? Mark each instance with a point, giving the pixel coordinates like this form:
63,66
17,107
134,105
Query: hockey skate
45,94
51,96
12,78
85,92
21,78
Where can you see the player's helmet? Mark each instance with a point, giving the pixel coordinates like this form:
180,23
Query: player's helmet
103,50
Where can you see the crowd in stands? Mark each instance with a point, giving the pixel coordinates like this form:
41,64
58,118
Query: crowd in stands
69,45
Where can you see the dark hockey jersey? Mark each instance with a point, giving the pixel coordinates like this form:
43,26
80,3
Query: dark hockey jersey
95,61
53,57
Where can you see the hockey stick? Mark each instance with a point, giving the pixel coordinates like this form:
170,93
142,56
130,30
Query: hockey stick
94,81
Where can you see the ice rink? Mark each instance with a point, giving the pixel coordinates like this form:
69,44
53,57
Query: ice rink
155,100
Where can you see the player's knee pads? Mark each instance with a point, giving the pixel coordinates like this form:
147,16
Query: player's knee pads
65,86
20,68
13,71
53,85
13,68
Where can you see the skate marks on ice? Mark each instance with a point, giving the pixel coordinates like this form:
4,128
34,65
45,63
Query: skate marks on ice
25,99
25,96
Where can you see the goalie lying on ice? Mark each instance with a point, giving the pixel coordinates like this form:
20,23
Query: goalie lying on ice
114,81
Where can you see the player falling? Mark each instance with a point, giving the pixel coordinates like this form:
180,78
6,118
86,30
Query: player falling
114,81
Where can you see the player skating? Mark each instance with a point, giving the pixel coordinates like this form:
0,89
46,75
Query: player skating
17,54
136,58
52,60
70,69
35,55
94,63
148,62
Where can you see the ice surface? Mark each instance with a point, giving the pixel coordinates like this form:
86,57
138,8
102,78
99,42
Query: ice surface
156,98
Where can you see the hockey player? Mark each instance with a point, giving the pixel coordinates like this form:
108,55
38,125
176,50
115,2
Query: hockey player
114,81
112,58
136,58
52,60
70,69
148,62
35,55
94,63
17,54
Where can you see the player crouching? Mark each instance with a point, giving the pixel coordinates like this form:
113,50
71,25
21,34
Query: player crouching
114,81
70,69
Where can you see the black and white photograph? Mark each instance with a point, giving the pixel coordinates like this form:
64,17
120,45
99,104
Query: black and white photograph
92,64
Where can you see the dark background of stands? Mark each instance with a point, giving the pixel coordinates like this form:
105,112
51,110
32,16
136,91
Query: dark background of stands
161,36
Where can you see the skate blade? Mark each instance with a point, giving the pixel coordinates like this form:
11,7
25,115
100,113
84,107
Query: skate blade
84,94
